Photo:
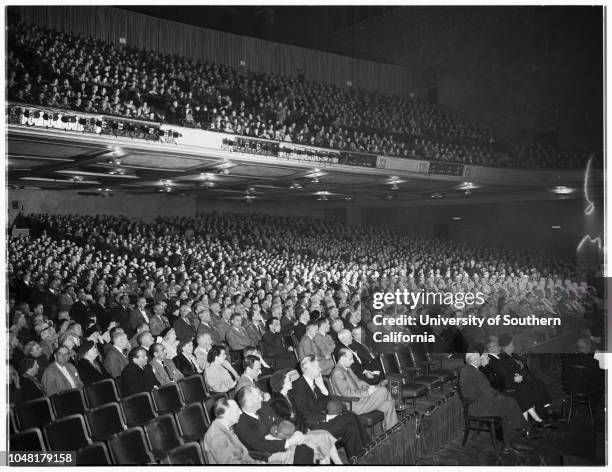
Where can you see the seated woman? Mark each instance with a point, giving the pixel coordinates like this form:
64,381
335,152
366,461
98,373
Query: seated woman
220,376
276,354
322,442
185,361
88,366
170,342
31,388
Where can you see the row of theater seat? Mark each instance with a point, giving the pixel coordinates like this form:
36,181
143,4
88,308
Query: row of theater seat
182,411
140,428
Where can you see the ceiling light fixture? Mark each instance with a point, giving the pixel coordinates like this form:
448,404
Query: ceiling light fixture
563,190
468,186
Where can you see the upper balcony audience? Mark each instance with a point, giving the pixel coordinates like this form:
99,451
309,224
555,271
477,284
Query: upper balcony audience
59,70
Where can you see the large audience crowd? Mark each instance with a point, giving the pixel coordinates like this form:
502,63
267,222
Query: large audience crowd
57,69
231,297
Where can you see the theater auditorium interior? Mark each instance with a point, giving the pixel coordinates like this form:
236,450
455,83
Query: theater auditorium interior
204,203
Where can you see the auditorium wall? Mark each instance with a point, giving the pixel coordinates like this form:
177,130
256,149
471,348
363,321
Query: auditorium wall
145,207
517,225
168,37
304,209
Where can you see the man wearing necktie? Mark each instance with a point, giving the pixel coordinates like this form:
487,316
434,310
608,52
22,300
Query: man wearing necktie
237,337
164,369
311,396
371,397
361,365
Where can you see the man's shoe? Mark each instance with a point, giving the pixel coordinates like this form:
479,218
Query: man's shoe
541,424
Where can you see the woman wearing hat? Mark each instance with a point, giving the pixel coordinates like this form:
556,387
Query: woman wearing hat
322,442
88,366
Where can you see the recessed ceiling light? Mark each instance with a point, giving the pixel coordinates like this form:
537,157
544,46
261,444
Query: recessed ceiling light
456,217
322,192
107,189
207,184
224,172
348,198
563,190
468,186
436,195
556,227
295,186
315,180
394,187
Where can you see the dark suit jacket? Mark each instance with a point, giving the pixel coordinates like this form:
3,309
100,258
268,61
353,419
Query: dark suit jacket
506,367
367,357
114,362
492,373
136,318
89,374
183,364
23,292
184,331
79,312
284,408
122,317
475,387
31,389
311,406
136,380
273,345
252,433
300,331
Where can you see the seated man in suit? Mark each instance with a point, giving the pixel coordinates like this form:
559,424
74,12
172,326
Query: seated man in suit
139,315
221,444
521,392
372,377
325,346
311,396
61,375
252,370
138,376
206,326
158,321
365,353
303,319
484,400
164,369
237,337
115,361
253,431
371,397
514,372
307,347
183,326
